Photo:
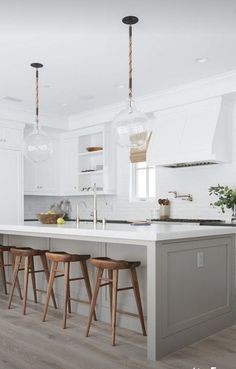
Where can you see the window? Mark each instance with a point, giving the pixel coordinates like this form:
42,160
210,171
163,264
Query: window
143,182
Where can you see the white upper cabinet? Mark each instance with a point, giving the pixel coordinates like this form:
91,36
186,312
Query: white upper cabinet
72,170
11,169
44,178
69,165
10,138
11,194
83,168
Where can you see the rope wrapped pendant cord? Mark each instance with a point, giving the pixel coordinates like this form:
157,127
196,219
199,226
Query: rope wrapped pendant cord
37,66
130,20
130,64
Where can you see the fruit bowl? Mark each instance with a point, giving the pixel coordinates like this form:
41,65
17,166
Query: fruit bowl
46,218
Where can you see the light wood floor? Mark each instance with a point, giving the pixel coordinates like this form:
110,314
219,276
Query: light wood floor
27,343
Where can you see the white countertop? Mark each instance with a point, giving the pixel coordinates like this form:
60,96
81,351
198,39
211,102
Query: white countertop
114,232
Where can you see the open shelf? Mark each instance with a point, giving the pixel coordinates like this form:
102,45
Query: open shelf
92,172
91,153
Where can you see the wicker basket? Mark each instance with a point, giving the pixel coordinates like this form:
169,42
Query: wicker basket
49,218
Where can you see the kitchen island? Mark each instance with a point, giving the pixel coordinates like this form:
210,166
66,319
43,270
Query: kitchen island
187,277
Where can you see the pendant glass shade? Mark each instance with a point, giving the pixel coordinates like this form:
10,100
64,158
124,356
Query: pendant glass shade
128,122
38,146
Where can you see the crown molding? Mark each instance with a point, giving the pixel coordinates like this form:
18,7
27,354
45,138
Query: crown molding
21,116
217,85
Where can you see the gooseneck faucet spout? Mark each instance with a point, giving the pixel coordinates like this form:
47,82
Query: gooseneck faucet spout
95,204
187,197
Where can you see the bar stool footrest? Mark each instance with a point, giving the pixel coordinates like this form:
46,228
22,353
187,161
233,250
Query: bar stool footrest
127,313
76,279
39,290
79,300
125,288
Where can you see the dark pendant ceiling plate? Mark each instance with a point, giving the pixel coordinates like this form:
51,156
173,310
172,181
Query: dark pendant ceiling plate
36,65
130,20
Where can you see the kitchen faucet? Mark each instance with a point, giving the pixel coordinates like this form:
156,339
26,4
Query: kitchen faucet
94,213
183,197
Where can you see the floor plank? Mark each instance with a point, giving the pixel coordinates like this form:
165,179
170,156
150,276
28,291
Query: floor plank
26,342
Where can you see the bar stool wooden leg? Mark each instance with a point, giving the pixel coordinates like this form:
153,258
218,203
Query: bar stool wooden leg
49,289
114,304
2,267
31,266
110,290
135,285
14,278
84,269
12,261
68,299
66,290
47,274
94,299
26,280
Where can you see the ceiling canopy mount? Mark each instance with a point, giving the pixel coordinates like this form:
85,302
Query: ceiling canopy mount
130,20
36,65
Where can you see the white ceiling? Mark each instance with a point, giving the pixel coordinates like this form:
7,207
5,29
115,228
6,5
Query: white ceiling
83,45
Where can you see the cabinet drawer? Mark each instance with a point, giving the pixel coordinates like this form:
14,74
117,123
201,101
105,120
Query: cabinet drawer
10,137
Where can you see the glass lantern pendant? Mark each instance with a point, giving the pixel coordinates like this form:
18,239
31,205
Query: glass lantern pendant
38,146
131,121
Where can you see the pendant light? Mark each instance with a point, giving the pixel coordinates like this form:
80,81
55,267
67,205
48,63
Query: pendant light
130,121
38,146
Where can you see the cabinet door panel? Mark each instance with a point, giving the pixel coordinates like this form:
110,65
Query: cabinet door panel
29,176
69,174
11,194
43,178
47,173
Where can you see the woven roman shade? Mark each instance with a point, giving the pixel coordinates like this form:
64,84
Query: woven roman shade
138,155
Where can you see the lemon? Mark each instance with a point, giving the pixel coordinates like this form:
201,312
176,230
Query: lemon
51,212
60,221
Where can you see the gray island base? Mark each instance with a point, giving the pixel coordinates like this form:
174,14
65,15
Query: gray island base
187,277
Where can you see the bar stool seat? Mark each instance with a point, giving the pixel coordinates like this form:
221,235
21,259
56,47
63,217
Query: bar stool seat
28,254
66,259
113,266
27,251
63,256
108,263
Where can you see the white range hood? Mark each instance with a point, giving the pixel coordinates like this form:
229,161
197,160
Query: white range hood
195,134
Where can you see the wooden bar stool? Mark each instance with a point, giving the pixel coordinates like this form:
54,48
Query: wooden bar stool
66,259
113,267
6,250
28,254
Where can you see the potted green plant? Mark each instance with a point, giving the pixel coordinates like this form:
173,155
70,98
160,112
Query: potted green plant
226,198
